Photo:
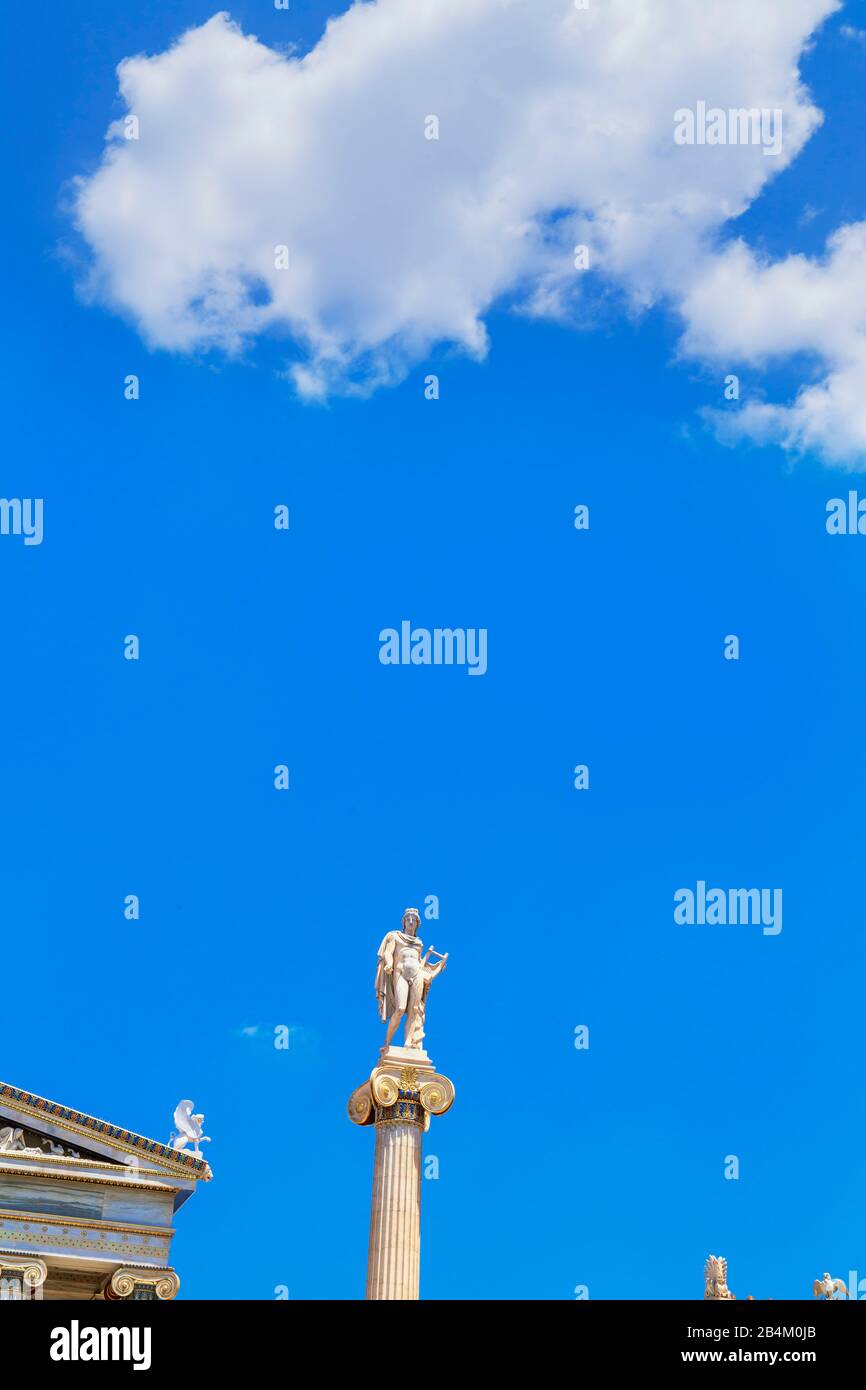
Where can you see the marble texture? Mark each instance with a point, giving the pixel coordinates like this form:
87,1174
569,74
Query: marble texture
394,1252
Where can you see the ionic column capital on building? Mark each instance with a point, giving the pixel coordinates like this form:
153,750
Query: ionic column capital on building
31,1272
160,1284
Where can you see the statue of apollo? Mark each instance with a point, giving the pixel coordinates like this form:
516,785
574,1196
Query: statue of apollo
403,978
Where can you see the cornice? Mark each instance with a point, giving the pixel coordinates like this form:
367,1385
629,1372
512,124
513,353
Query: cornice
103,1165
92,1180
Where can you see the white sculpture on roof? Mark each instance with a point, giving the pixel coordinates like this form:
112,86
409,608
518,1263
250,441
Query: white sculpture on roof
189,1129
828,1287
716,1276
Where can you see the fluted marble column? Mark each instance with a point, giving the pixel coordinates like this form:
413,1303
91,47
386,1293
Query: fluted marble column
398,1099
394,1254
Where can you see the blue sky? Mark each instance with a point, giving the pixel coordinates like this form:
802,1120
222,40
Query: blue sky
558,1167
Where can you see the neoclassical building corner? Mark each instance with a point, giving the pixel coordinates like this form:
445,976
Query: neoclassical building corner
87,1208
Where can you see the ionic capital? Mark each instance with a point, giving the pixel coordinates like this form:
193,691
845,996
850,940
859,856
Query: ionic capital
398,1093
133,1283
32,1273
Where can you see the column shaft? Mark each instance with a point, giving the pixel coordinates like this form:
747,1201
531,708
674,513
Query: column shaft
394,1256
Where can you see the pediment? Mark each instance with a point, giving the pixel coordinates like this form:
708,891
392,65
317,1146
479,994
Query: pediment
32,1127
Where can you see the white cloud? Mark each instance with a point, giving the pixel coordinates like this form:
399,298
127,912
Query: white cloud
746,311
556,127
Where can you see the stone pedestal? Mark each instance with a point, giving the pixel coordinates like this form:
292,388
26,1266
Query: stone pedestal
403,1091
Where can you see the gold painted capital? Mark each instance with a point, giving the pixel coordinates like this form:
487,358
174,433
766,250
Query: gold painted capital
437,1095
123,1283
401,1093
361,1105
32,1272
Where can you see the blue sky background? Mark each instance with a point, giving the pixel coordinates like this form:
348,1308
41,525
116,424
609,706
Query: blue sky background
557,1167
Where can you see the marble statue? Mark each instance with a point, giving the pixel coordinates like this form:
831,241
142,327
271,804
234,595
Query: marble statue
827,1288
12,1141
716,1276
15,1141
403,979
189,1127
